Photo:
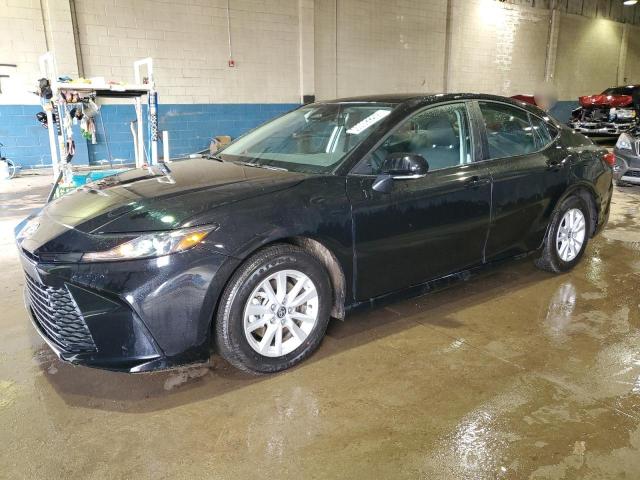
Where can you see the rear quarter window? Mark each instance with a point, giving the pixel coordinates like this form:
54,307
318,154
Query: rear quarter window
574,139
512,131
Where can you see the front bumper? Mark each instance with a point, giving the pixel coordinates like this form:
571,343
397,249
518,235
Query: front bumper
627,167
132,316
601,129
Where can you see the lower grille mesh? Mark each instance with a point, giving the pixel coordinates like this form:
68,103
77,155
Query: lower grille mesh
59,317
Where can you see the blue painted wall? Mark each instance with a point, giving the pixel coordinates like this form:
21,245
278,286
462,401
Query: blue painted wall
190,129
24,138
562,110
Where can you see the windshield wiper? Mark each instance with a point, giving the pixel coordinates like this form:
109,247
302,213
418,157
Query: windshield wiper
268,167
214,157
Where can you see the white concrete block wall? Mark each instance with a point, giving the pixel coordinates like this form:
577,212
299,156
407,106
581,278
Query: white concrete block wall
382,46
188,42
22,41
390,46
285,48
59,31
587,58
632,69
325,17
497,48
306,32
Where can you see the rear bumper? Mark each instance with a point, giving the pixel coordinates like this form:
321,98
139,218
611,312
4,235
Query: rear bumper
133,316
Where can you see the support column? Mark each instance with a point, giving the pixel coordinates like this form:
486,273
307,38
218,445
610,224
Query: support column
62,40
622,57
325,46
59,33
306,32
552,46
446,70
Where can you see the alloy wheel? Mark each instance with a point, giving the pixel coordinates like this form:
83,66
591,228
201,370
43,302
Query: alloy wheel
571,234
280,313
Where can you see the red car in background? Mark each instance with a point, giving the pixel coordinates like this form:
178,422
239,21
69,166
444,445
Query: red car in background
612,112
525,98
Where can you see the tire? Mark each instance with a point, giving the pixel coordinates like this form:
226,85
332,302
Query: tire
247,291
554,249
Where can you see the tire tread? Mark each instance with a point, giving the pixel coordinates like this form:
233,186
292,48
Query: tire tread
222,335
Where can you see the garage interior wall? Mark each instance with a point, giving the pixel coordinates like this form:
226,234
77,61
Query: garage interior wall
285,49
495,49
378,46
632,65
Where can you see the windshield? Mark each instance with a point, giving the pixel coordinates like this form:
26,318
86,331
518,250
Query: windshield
311,139
619,91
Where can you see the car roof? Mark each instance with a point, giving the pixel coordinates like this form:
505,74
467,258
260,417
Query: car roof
397,98
382,98
416,100
425,98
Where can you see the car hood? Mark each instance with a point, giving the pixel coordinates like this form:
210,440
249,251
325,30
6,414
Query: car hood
605,100
159,198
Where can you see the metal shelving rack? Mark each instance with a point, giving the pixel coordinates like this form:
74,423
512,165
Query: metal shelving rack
141,88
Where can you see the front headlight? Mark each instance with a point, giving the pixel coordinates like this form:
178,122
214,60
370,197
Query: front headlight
624,142
153,245
627,113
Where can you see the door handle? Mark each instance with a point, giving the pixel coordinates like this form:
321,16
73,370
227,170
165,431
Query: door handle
475,182
556,165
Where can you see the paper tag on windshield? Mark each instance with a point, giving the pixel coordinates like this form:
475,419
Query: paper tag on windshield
367,122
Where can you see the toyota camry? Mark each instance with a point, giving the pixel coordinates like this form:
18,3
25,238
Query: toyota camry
333,206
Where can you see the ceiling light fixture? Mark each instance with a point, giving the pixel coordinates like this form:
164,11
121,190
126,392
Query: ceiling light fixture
630,2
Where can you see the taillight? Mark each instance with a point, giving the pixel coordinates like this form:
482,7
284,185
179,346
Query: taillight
610,158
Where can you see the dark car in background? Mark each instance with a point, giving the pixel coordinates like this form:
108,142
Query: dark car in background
627,151
610,113
334,206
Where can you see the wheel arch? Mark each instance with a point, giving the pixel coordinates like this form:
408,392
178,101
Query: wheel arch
588,194
330,262
316,249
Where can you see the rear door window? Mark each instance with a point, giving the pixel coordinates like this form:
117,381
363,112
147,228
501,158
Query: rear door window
542,133
509,131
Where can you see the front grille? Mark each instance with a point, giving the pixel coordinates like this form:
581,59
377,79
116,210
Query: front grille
59,317
595,114
632,173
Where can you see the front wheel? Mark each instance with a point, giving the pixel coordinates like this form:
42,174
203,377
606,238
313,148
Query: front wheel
567,236
274,311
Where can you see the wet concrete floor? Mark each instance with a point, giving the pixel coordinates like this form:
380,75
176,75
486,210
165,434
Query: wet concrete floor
513,373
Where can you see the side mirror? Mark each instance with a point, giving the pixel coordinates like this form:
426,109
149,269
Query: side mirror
400,166
405,165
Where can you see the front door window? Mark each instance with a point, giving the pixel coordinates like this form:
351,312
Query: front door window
440,134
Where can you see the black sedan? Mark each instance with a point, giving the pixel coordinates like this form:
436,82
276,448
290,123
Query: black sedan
333,206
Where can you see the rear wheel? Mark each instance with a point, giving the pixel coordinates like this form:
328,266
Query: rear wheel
567,236
275,310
